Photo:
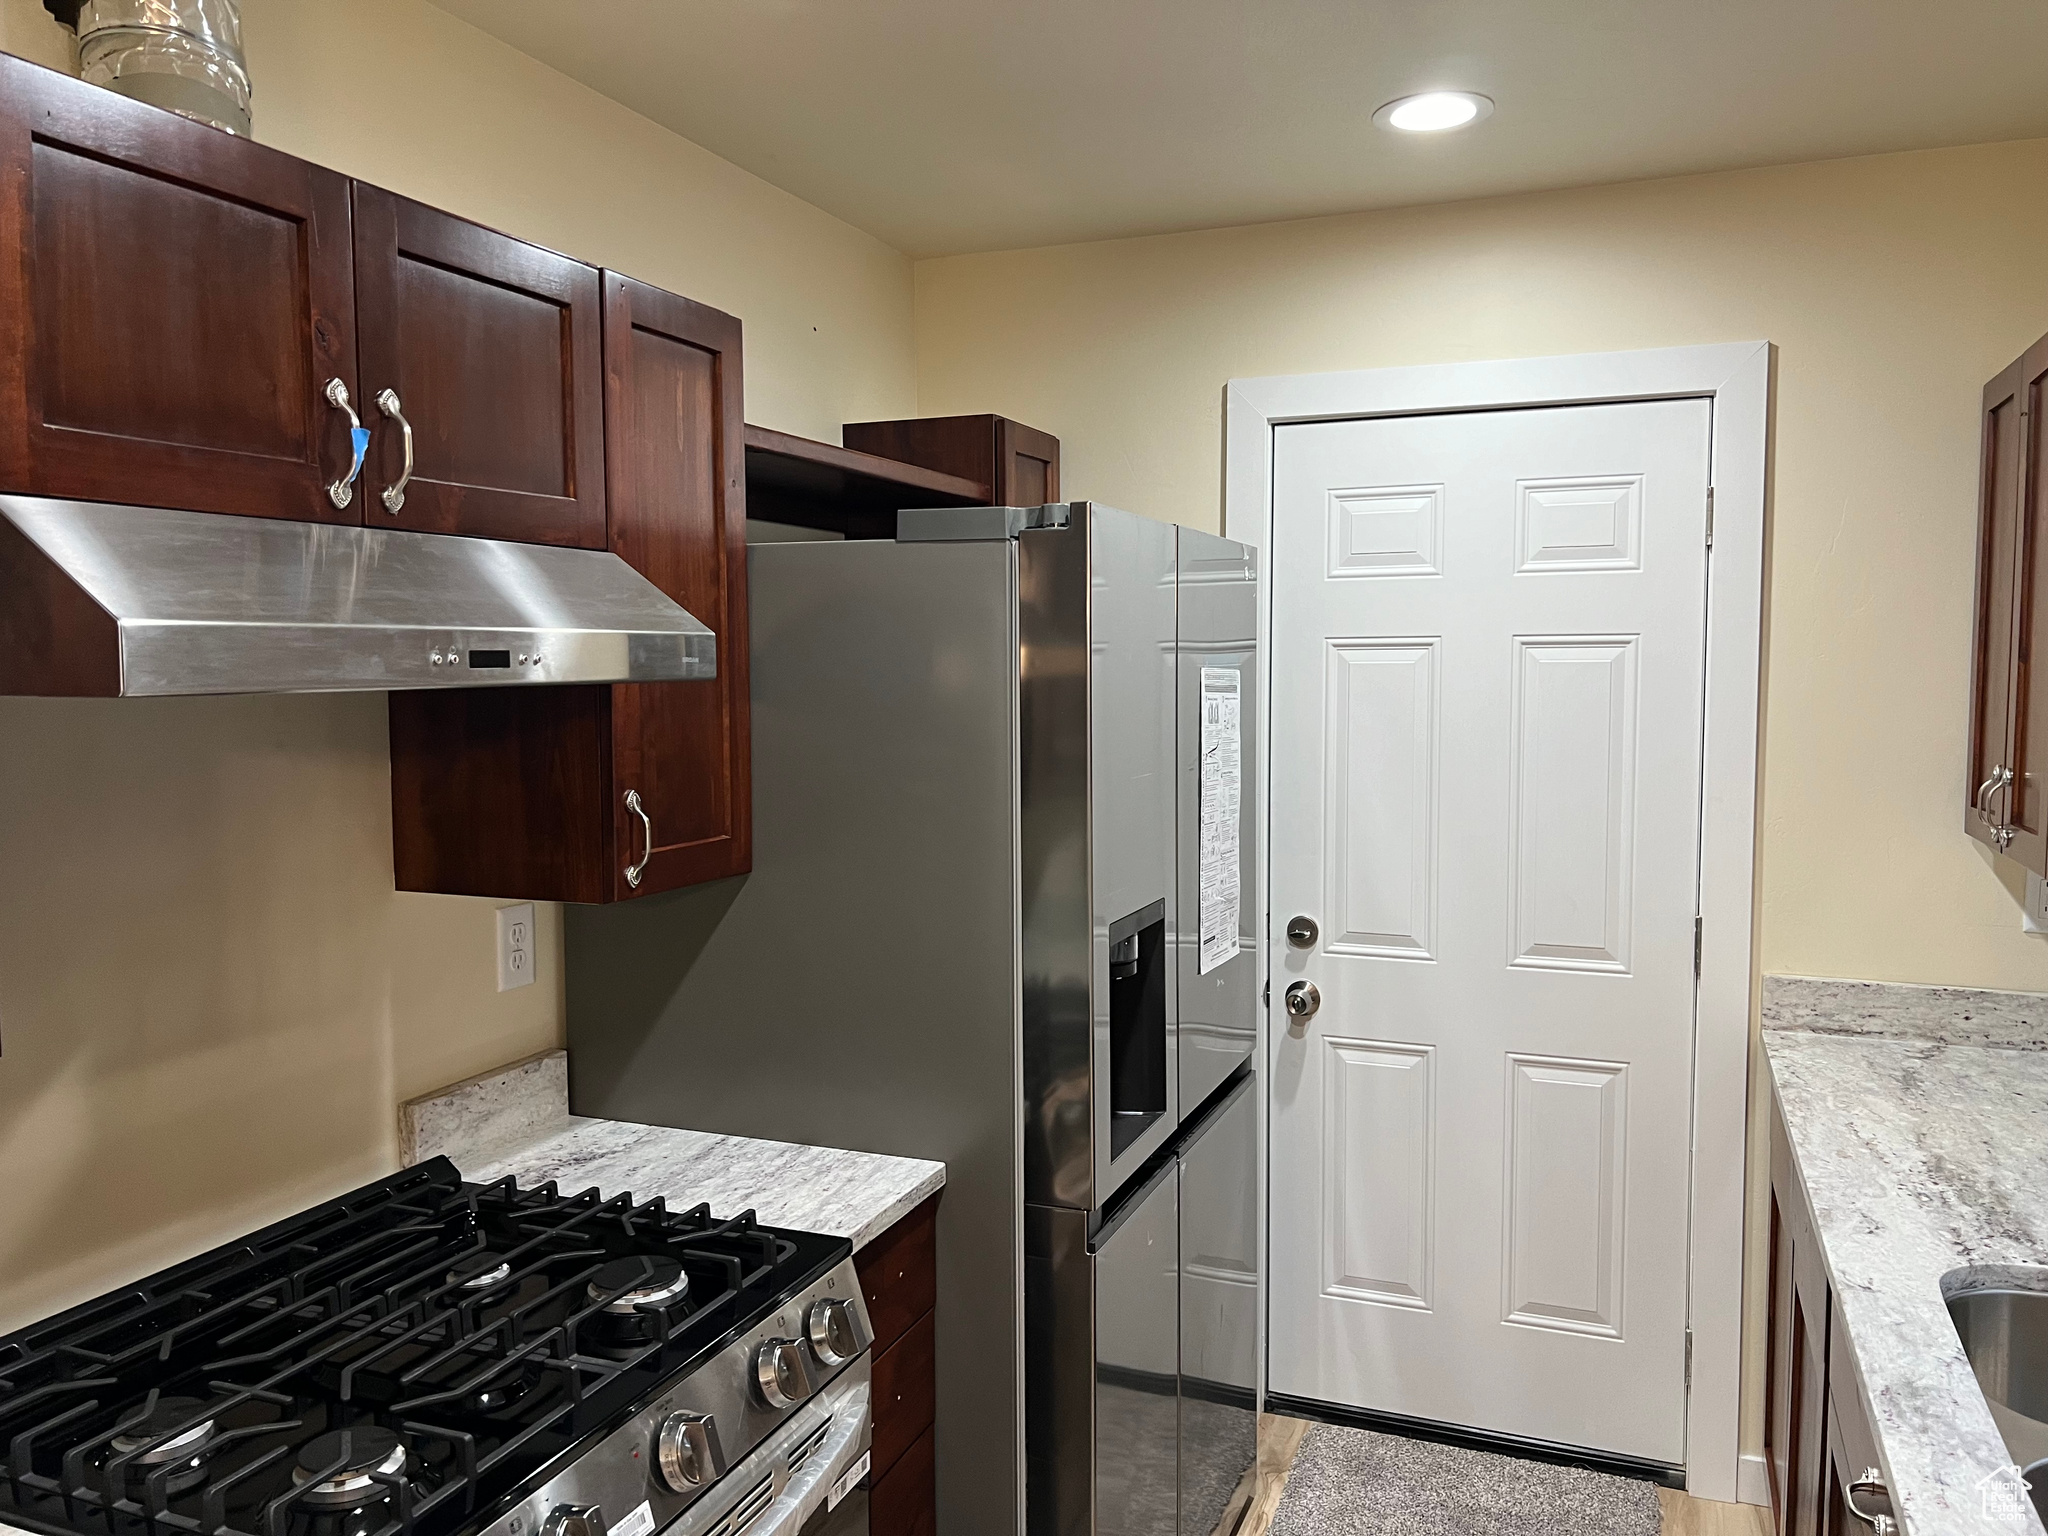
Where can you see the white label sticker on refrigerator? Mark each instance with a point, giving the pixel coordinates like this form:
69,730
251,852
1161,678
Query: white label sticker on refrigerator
638,1523
1221,777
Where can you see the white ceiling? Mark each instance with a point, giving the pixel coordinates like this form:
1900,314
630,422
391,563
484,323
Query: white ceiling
962,125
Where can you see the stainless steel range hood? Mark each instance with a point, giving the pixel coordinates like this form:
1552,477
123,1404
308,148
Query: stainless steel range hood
135,601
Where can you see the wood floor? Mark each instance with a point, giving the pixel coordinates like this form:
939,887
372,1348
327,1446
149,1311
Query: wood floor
1280,1438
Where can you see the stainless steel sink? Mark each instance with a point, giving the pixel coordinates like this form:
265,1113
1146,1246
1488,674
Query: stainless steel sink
2005,1334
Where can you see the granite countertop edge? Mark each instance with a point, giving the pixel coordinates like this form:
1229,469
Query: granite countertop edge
515,1123
1910,1112
855,1195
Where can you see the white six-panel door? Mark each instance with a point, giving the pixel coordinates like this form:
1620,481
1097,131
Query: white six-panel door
1488,641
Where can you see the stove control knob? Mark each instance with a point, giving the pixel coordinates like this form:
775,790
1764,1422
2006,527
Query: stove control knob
574,1520
780,1375
687,1453
837,1331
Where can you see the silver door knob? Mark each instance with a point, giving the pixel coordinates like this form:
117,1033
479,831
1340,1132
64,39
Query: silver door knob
574,1520
1302,932
780,1374
687,1452
1303,999
835,1331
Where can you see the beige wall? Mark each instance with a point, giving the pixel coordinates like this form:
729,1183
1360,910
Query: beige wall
210,997
1893,286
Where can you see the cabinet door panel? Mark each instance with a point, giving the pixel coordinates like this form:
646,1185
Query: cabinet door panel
2026,803
179,302
675,467
1993,653
493,348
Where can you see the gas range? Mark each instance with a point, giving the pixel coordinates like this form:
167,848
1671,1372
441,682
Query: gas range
428,1357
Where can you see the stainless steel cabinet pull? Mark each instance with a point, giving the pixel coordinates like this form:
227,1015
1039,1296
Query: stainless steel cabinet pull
394,493
635,871
341,492
1977,800
1872,1481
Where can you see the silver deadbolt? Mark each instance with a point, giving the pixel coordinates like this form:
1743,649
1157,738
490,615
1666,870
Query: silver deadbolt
1303,999
1302,932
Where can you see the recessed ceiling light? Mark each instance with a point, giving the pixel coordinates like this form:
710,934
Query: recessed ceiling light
1434,111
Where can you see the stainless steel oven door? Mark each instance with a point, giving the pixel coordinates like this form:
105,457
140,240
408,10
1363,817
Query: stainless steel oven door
807,1479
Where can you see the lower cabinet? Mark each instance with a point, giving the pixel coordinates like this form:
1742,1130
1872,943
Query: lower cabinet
899,1279
1818,1443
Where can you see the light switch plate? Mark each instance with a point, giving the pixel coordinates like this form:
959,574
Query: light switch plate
2034,916
515,946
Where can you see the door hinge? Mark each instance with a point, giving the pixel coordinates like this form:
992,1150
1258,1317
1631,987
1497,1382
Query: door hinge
1710,517
1696,925
1688,1359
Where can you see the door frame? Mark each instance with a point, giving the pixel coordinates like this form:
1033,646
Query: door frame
1736,378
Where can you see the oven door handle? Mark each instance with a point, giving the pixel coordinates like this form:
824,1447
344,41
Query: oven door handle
807,1492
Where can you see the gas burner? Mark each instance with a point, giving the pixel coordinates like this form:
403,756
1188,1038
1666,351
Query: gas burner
371,1452
137,1437
655,1281
480,1270
501,1327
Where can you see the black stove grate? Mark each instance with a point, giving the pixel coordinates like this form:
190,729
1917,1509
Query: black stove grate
258,1390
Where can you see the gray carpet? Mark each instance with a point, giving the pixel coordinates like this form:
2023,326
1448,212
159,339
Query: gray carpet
1352,1482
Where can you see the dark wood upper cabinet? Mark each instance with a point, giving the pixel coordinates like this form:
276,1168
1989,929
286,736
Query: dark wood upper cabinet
173,307
522,792
2008,744
492,348
676,470
1020,465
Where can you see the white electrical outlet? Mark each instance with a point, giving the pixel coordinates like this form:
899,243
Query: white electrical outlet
2034,916
515,946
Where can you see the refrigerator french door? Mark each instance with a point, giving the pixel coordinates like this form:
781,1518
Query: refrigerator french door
1142,1343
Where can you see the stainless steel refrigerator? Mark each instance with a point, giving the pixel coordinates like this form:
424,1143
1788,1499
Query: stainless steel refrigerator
1001,914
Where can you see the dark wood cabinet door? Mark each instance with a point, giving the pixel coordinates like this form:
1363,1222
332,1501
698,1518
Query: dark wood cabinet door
1796,1379
2024,805
1019,465
675,468
492,348
1994,650
174,302
1027,465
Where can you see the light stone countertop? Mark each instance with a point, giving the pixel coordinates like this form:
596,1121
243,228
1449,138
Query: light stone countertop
515,1123
1926,1163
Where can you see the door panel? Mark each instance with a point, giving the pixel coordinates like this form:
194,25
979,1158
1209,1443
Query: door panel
180,302
1993,650
1382,743
677,510
493,349
1379,1118
1488,656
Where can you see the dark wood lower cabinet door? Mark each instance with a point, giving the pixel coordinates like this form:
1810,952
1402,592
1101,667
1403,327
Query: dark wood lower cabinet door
492,350
904,1392
175,303
904,1500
